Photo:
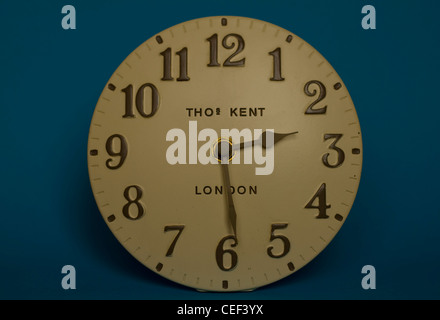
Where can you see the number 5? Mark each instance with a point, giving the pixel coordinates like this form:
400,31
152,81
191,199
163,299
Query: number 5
284,239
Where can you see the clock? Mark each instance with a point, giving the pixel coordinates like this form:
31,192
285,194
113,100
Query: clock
225,153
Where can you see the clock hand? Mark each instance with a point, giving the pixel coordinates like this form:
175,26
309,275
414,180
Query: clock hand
277,137
230,202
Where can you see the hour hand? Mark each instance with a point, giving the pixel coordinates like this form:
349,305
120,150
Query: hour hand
263,138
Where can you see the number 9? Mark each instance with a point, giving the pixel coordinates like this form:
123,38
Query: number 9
123,150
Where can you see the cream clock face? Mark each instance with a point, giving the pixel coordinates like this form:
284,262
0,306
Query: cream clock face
265,210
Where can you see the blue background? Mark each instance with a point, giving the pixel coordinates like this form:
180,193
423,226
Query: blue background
51,80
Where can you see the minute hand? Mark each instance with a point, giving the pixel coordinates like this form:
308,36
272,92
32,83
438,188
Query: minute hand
232,214
276,138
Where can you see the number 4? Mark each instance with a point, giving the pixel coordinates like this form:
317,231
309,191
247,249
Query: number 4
322,203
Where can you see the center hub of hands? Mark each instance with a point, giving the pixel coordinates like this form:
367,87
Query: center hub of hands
222,150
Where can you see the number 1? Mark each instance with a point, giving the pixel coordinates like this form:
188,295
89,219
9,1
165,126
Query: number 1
276,54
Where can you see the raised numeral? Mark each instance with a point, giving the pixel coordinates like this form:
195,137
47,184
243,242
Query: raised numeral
179,229
228,62
128,90
126,211
322,203
213,50
322,94
341,154
122,153
167,64
183,61
273,236
276,54
220,253
140,101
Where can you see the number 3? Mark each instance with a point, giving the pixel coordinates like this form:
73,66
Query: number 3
341,154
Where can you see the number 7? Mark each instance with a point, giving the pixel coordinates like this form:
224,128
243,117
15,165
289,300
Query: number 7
179,230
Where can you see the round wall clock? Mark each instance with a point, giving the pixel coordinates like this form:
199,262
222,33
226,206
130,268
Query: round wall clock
225,153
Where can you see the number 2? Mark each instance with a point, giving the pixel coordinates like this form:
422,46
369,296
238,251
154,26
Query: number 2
321,96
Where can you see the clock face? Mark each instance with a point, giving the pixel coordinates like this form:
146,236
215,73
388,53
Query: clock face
208,218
